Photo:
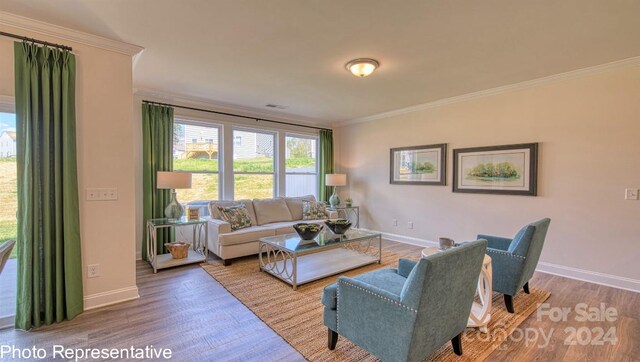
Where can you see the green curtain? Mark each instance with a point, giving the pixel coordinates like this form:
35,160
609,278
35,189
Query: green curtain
49,258
157,153
326,163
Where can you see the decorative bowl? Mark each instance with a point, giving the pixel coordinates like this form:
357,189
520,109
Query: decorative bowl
338,226
307,231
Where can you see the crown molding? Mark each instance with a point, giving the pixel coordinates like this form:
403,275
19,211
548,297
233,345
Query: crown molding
197,102
40,27
498,90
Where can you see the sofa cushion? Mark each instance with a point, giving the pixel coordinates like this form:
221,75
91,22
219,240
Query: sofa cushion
215,213
271,210
295,205
246,235
237,216
312,210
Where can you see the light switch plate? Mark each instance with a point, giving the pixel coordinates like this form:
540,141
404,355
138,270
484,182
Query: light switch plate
631,194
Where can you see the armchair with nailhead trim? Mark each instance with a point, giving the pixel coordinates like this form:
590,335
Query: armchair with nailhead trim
405,314
514,260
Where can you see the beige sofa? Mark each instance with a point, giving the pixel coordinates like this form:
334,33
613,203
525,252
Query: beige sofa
269,217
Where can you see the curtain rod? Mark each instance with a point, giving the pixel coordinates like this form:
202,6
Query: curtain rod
64,47
236,115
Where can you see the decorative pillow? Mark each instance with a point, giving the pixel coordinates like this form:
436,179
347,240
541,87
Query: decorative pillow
237,216
313,210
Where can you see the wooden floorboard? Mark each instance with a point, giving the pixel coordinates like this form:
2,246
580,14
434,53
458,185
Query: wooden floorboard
188,311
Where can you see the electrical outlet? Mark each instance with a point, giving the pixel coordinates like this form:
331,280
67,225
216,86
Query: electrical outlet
631,194
93,270
102,194
93,194
394,222
410,224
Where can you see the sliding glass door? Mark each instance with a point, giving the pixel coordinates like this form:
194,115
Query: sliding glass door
8,221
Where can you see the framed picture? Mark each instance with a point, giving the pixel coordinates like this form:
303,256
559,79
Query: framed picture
509,169
419,165
194,213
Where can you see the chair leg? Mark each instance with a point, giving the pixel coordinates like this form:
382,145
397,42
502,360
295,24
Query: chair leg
526,287
456,342
508,302
332,340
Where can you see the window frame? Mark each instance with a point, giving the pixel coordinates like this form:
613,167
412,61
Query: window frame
314,137
191,121
276,156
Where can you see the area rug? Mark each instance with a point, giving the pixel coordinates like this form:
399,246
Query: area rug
297,315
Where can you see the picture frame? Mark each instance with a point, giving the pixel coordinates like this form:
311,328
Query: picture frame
419,165
194,213
505,169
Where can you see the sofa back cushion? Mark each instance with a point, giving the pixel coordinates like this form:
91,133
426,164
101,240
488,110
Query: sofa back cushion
271,210
295,205
215,213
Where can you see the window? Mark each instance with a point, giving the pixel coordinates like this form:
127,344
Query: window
196,150
253,164
8,220
302,166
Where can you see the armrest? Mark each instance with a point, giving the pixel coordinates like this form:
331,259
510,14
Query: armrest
405,266
507,270
496,242
373,318
216,227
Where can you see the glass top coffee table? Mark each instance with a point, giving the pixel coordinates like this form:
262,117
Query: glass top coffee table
296,261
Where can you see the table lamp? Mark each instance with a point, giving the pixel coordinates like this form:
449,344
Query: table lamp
172,181
335,179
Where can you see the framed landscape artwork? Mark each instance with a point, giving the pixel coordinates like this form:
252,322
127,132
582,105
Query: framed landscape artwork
509,169
419,165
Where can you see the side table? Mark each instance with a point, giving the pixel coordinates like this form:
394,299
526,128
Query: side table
197,253
348,212
480,312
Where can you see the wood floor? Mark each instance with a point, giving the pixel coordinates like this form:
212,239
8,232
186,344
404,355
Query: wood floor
186,310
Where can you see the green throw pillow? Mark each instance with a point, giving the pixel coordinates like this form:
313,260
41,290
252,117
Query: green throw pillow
313,210
237,216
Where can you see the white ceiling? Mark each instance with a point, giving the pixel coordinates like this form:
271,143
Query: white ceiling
291,52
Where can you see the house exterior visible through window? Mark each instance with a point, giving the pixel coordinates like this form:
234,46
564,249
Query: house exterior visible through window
253,164
301,165
196,150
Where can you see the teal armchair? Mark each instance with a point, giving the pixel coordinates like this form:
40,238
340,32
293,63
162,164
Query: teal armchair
514,260
407,313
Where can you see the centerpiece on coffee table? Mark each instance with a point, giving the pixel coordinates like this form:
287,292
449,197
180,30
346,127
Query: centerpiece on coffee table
338,226
307,231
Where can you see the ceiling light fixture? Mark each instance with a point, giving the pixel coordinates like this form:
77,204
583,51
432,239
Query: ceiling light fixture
362,67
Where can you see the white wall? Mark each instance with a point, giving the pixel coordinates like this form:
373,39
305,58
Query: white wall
105,144
588,128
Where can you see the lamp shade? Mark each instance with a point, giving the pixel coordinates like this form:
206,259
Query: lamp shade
173,180
336,179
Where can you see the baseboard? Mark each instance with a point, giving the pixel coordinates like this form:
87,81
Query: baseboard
7,322
139,255
608,280
104,299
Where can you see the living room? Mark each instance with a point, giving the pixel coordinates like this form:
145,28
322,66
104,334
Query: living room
262,115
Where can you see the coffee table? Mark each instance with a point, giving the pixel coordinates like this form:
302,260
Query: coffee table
296,261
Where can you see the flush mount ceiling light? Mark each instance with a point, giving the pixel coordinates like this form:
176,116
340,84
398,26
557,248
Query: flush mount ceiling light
362,67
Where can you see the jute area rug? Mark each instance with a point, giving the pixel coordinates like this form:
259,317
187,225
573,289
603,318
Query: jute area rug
297,315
